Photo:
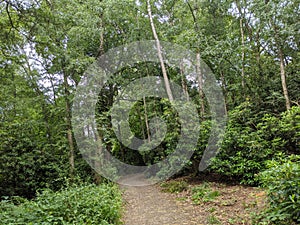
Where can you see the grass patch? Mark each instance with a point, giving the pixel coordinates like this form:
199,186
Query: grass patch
213,220
203,193
174,186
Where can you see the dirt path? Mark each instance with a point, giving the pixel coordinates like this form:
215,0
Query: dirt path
148,205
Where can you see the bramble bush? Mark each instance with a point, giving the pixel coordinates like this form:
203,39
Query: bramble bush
282,181
84,204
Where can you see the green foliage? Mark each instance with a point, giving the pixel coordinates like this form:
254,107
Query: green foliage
84,204
249,142
43,41
282,181
213,220
203,193
162,109
174,186
27,161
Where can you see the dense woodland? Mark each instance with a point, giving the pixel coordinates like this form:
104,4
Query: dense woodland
252,48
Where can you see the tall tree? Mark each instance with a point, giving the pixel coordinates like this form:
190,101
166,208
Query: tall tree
159,53
198,59
278,20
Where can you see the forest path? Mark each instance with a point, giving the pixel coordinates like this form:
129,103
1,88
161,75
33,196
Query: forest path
147,205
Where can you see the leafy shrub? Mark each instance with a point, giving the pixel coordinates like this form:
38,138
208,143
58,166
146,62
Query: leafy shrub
28,162
88,204
282,181
249,142
174,186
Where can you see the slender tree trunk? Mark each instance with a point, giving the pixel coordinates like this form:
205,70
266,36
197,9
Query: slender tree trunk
97,155
146,112
101,39
146,120
159,53
142,127
97,164
225,91
183,82
283,80
258,52
69,126
198,63
243,43
200,83
243,52
282,69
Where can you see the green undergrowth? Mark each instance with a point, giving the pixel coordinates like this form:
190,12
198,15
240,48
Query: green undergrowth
174,186
83,204
203,193
282,182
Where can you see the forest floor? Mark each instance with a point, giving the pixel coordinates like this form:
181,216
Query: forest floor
152,205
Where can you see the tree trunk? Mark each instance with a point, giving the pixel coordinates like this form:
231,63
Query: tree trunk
243,43
225,91
146,120
283,81
184,82
243,53
159,53
101,39
98,155
198,63
258,53
97,163
282,69
69,126
200,83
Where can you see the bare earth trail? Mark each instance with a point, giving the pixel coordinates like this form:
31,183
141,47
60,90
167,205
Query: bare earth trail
148,205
